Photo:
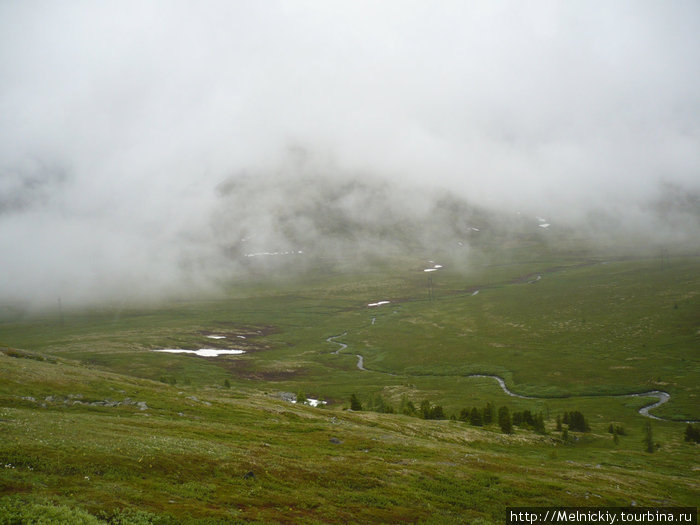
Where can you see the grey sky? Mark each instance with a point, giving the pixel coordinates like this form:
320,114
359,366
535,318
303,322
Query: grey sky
118,120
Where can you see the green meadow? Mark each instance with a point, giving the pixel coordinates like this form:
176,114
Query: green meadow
96,427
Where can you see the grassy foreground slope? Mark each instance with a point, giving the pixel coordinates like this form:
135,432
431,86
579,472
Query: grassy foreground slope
96,426
188,455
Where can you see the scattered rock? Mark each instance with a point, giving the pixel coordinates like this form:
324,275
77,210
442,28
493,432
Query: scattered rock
75,399
288,396
249,475
335,441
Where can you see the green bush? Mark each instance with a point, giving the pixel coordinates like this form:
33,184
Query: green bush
15,512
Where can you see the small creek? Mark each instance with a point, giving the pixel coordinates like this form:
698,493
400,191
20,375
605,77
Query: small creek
343,346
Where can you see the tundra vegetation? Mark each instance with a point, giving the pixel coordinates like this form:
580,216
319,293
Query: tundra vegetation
98,428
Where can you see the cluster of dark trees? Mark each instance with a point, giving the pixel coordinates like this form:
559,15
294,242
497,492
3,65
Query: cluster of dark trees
617,429
574,421
376,403
478,416
429,411
486,415
527,419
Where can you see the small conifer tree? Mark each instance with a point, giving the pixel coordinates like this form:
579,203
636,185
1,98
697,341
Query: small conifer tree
475,417
355,403
488,415
504,420
538,424
425,409
692,434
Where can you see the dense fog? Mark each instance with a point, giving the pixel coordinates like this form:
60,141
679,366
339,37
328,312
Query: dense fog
147,147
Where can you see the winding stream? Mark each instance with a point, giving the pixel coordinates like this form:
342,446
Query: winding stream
343,346
661,396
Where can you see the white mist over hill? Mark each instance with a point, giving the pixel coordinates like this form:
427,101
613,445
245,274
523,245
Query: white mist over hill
132,133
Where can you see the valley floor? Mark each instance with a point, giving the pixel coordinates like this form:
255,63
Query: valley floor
95,427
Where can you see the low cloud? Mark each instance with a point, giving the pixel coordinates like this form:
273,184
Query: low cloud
140,142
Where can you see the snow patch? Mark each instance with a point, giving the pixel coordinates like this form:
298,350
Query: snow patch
435,267
312,402
203,352
259,254
216,336
378,303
